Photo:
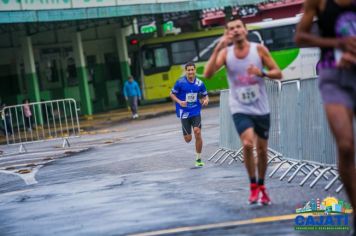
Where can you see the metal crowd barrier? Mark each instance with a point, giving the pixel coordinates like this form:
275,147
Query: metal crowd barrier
300,138
49,120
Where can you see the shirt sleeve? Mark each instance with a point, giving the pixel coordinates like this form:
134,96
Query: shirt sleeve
125,92
138,90
176,88
203,90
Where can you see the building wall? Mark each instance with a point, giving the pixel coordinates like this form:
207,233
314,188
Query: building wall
55,65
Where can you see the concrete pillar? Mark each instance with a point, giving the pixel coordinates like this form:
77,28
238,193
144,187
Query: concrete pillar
228,13
33,89
135,25
30,70
85,98
159,25
196,19
121,44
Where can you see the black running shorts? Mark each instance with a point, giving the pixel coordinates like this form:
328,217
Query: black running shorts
260,123
190,122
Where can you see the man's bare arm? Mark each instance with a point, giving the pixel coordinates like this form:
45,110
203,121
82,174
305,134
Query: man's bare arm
175,99
273,70
217,58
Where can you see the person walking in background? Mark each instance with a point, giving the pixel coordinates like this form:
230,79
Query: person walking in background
27,114
6,121
132,93
186,93
245,62
337,76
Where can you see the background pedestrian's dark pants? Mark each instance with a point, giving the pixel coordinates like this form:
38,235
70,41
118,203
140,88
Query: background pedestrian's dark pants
28,123
133,104
7,126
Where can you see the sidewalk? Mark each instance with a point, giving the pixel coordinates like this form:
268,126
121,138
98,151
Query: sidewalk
103,122
107,119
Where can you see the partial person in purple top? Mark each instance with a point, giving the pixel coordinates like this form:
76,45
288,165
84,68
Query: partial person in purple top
337,83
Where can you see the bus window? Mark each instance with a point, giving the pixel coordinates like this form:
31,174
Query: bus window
206,47
183,51
254,36
161,57
279,38
148,59
155,59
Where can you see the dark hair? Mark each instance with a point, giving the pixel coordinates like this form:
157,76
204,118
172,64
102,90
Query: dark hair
233,18
189,64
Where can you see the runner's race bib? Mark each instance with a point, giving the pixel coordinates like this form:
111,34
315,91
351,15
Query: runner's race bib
191,99
248,94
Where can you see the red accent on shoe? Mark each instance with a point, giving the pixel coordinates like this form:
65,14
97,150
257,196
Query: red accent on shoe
254,192
265,200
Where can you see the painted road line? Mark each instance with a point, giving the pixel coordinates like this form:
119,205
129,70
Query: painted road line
219,225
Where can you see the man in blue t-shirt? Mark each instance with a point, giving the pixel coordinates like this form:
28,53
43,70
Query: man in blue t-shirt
132,93
187,92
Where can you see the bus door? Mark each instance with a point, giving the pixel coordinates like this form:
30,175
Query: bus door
156,66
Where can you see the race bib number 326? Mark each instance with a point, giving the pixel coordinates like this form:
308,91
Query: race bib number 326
248,94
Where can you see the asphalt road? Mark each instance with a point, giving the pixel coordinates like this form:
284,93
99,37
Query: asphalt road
139,177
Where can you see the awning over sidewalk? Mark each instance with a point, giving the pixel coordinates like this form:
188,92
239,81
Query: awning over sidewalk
14,11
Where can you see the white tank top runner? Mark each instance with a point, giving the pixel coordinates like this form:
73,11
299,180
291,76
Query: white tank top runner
247,92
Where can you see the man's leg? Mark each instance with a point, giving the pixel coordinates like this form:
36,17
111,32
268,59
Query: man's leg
198,139
134,106
340,121
261,146
196,123
131,104
187,130
247,140
245,127
262,159
198,146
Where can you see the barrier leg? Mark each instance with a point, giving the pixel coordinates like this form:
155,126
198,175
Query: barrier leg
22,148
65,143
339,188
296,172
331,182
225,151
272,159
316,173
309,175
312,184
287,171
273,155
217,151
277,167
227,156
239,156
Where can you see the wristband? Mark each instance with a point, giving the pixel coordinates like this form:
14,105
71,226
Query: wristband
264,72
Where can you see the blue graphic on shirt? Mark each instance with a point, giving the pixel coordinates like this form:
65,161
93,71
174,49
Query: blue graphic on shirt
189,92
